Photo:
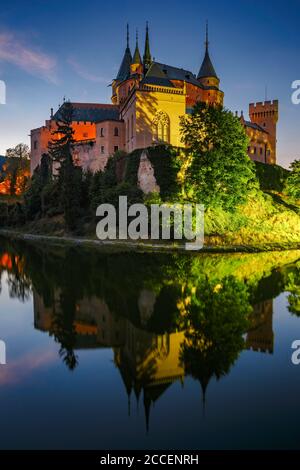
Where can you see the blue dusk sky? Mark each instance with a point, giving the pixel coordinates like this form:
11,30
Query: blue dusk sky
51,49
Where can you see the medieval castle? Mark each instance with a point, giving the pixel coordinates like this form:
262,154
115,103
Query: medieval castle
148,98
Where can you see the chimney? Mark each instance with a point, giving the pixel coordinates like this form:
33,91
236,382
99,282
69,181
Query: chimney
51,113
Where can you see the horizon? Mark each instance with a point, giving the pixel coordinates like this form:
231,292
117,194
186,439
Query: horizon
39,69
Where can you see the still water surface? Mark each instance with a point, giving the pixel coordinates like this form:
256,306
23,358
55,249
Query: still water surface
125,350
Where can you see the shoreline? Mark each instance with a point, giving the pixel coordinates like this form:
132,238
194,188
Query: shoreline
142,245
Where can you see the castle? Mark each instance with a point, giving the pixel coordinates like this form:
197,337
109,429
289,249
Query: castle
148,99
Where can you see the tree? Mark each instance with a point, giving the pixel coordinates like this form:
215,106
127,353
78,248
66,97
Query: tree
19,151
292,187
70,177
16,169
219,171
34,197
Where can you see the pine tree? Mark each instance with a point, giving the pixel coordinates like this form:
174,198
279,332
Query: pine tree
70,176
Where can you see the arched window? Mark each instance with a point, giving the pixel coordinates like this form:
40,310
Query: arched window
161,127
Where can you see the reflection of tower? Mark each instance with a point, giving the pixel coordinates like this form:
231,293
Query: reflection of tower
261,337
149,363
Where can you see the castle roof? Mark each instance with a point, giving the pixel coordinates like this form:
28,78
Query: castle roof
124,70
156,76
175,73
255,126
207,68
92,112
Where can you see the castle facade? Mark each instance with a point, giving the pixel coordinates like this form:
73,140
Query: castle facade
148,99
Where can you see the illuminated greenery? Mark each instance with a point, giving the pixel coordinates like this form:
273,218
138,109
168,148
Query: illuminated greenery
220,173
293,181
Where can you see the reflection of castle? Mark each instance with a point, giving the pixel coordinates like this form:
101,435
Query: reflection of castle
148,363
261,337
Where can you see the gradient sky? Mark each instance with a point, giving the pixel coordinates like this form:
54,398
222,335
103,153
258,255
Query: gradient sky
51,49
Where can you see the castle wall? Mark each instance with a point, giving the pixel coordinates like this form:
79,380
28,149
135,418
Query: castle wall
148,104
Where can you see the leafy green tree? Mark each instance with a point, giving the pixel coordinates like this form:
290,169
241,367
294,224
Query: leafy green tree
292,187
219,171
70,176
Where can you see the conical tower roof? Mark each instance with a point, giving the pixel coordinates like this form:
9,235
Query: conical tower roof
137,56
147,55
124,70
207,68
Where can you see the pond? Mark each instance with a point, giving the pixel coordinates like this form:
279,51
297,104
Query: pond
124,350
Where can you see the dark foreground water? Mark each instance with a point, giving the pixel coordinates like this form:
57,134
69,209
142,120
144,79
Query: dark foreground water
127,350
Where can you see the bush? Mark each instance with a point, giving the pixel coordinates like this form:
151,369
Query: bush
271,177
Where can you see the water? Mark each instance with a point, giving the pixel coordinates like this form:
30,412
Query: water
110,350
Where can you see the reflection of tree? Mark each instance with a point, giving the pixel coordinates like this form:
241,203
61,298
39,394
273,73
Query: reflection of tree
63,323
216,317
19,287
293,287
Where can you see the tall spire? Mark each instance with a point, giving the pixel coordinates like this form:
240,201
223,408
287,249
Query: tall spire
147,55
137,56
124,70
206,37
207,68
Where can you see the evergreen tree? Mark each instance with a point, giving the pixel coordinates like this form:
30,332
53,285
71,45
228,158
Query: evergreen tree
69,176
219,171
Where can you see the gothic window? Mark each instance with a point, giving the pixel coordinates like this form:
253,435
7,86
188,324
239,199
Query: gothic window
161,127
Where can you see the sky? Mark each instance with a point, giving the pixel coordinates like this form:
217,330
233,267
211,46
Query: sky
73,49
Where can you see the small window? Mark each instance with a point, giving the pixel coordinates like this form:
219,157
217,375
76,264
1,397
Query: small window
102,148
101,132
264,124
261,150
35,144
116,148
116,132
85,135
254,149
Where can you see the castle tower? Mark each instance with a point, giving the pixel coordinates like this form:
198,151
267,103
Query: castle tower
136,64
124,70
265,114
208,78
147,59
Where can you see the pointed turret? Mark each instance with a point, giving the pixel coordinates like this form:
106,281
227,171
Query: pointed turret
124,71
136,64
147,59
137,56
207,69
